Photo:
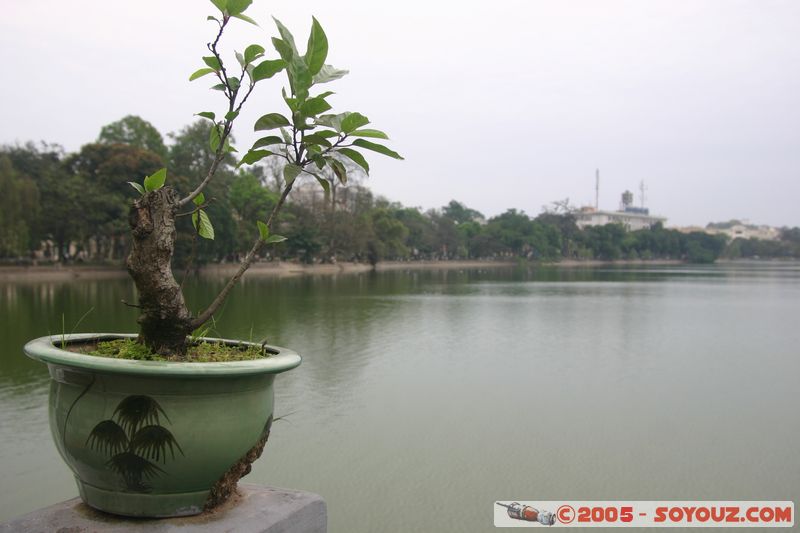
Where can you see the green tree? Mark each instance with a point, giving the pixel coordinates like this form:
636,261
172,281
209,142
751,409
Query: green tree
19,210
701,247
249,198
62,213
134,131
389,236
104,171
459,213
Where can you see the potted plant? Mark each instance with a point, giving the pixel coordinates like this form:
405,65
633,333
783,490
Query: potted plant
154,430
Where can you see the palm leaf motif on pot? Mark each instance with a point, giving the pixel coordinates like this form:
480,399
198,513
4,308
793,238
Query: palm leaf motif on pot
107,437
136,411
133,438
134,470
152,442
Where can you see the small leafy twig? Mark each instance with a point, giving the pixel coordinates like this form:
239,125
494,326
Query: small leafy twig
198,208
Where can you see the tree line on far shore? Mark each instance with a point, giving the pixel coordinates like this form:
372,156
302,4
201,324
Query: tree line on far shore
73,207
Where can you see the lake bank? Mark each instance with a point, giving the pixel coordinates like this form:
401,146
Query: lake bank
277,268
286,268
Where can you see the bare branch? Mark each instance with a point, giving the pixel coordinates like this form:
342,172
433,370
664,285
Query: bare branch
203,317
227,125
211,171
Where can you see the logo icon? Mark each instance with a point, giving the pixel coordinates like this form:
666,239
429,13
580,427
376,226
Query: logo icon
528,513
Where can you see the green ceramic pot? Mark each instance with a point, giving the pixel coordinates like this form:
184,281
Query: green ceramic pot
148,438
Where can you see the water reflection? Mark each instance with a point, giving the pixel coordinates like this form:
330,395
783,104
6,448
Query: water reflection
440,389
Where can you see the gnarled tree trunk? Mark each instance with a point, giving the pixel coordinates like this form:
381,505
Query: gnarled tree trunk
165,320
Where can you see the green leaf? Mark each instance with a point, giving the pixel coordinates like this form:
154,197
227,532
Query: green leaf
254,156
286,36
233,82
231,115
339,169
286,137
200,73
316,138
219,87
377,134
328,73
222,5
156,180
138,187
245,18
291,102
317,50
271,121
203,225
325,184
236,7
274,239
376,148
283,49
207,114
254,51
267,69
214,138
267,141
353,121
199,200
290,172
240,59
314,106
263,230
332,121
213,63
300,78
326,134
213,18
355,157
229,149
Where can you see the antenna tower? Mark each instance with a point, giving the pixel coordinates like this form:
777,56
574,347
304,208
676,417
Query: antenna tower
642,188
597,189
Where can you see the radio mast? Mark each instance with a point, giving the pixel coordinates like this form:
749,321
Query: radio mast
641,192
597,189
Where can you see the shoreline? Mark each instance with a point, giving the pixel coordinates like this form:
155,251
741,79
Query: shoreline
286,268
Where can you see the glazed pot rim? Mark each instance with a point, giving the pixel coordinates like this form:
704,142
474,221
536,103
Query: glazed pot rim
44,349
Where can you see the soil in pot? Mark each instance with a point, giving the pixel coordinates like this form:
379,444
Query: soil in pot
197,352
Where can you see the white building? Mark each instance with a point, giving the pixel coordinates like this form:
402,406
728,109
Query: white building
633,218
742,230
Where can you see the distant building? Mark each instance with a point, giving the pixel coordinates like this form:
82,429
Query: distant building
736,229
633,218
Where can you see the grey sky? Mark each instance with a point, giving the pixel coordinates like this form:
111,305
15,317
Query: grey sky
497,104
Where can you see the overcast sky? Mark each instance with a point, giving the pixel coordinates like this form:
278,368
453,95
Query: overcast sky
497,104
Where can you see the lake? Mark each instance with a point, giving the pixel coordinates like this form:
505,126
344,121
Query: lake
425,396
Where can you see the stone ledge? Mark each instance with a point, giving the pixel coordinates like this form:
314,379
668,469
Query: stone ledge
255,509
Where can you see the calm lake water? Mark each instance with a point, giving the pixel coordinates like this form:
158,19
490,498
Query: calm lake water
423,397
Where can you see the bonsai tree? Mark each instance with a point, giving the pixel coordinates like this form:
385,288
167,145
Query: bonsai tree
308,138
